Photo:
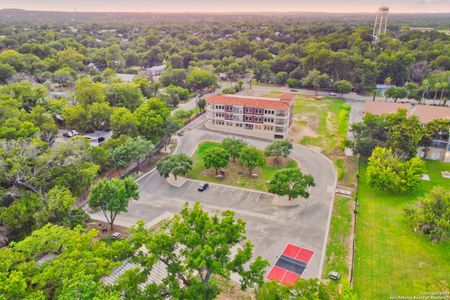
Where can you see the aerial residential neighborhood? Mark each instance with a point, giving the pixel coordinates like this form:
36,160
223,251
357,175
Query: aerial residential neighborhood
224,150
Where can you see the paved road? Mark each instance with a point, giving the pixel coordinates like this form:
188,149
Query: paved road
269,227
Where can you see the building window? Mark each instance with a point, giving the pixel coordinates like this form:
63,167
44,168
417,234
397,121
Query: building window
239,125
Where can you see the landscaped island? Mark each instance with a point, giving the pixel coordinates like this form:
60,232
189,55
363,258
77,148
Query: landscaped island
235,174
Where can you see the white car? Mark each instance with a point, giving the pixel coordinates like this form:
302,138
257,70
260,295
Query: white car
70,133
333,94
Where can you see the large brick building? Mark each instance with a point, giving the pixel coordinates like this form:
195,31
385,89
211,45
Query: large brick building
268,118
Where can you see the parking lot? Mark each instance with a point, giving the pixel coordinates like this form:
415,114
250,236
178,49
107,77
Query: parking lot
270,227
226,196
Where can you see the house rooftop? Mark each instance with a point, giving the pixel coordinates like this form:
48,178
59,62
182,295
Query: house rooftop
380,108
249,101
428,113
97,134
425,113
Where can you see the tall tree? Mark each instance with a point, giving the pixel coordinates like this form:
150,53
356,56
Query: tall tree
315,79
179,164
233,146
291,182
196,247
216,158
112,196
278,149
251,158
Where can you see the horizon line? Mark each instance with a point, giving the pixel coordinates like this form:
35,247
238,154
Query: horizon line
222,12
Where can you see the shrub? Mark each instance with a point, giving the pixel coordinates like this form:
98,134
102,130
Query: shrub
387,172
432,214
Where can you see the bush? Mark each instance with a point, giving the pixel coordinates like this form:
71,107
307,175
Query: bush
229,90
387,172
432,214
293,83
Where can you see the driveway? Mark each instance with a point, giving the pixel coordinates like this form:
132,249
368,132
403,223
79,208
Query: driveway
269,227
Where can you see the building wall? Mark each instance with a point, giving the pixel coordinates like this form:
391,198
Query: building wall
232,120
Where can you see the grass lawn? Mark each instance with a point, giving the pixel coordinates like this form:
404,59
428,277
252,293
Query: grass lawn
319,123
235,174
339,240
390,259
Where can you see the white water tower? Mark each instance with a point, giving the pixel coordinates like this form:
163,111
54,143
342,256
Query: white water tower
381,22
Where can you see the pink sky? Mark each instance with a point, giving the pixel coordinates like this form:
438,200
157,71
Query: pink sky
396,6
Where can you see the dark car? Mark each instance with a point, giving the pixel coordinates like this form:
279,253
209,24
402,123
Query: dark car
203,187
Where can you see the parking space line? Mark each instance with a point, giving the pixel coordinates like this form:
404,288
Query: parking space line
192,182
257,199
248,196
218,189
215,188
232,191
224,189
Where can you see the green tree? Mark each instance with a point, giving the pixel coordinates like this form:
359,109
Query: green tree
281,77
233,146
123,94
278,149
251,158
385,171
315,79
403,133
151,117
177,77
88,92
6,72
291,182
201,104
112,196
76,263
303,289
123,121
202,245
71,58
199,79
179,164
44,121
216,158
432,214
396,93
344,87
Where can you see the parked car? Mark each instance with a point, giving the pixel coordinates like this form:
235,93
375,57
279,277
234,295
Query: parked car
70,133
333,94
334,275
294,90
203,187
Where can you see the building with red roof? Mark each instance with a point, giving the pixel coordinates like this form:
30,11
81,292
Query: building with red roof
261,117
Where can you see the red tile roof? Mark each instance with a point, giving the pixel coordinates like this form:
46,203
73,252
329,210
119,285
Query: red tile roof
254,102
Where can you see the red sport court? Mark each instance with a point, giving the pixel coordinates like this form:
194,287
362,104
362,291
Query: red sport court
290,265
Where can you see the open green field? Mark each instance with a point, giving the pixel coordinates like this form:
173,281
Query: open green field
235,174
390,259
320,123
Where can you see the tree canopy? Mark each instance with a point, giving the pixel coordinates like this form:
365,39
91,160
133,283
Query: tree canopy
112,196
